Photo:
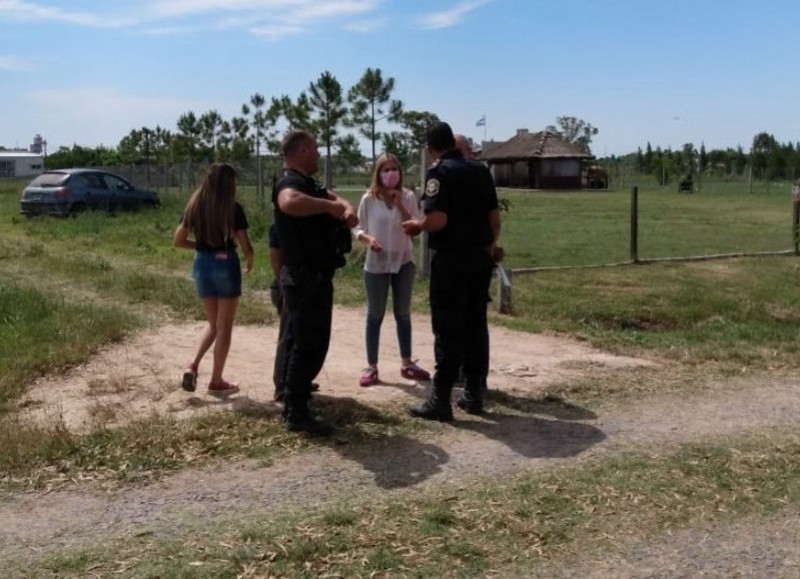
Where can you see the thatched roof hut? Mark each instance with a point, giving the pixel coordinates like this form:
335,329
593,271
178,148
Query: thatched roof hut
535,161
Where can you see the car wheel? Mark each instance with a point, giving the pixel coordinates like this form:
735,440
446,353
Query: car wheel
76,208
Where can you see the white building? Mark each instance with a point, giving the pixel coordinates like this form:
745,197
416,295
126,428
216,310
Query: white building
20,164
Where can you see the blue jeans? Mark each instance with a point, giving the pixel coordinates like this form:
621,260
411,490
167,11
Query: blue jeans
377,287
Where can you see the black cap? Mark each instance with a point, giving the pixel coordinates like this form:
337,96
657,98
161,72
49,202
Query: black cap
439,136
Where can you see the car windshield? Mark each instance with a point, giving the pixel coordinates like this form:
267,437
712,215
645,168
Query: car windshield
49,180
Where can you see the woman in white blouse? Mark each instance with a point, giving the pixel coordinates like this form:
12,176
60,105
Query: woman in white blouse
389,263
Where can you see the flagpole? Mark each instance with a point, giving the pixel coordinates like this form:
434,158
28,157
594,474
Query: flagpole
482,122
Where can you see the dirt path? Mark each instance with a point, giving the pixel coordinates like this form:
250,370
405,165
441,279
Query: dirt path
139,377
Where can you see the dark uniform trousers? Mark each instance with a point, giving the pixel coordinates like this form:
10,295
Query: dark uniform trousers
284,339
309,301
459,292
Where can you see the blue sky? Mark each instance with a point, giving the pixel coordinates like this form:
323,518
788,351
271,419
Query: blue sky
711,71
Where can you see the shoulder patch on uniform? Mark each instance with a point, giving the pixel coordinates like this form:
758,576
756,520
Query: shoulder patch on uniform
432,187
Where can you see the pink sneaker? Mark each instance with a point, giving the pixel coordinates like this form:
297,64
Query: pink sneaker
414,372
222,389
369,377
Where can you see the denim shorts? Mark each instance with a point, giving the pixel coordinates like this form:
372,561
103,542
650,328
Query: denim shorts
217,274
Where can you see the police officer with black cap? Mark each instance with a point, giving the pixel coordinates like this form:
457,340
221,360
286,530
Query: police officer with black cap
313,226
462,219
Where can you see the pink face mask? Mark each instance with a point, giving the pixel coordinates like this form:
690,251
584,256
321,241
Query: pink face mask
390,178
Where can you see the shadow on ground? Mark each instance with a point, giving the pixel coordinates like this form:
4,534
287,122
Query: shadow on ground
531,436
534,428
395,460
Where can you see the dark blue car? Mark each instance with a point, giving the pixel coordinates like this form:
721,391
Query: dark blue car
68,191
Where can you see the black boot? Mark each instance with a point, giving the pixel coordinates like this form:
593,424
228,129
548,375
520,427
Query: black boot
471,399
436,407
280,393
298,417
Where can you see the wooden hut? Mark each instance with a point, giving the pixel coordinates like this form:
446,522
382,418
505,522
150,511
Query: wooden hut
535,161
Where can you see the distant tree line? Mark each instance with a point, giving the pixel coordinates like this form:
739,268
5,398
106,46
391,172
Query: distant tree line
767,159
368,110
323,109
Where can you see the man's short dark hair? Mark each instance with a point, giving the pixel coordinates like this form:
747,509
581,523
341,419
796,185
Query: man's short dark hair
294,140
439,136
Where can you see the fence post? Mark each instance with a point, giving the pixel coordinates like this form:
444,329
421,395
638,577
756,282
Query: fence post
635,224
796,218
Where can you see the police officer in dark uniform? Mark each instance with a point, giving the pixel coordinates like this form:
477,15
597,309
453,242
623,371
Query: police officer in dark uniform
284,344
463,222
313,231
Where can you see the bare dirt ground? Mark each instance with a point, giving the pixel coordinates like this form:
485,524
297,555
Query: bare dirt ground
140,377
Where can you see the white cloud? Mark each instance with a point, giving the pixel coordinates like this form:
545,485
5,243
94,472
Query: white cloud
317,10
448,18
177,8
172,8
270,19
170,30
364,26
30,11
13,63
265,9
277,32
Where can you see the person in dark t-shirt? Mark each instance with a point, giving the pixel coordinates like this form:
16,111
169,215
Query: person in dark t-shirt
212,224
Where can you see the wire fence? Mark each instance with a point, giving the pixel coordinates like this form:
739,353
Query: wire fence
549,231
186,176
676,230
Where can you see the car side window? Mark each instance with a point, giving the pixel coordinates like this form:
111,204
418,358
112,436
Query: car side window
81,181
97,181
94,181
113,182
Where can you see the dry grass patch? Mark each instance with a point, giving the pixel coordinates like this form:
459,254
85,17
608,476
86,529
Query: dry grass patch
120,451
483,528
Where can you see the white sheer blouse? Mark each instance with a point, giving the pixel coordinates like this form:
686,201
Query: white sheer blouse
382,222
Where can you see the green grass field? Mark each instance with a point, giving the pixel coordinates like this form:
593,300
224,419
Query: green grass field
70,286
117,267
